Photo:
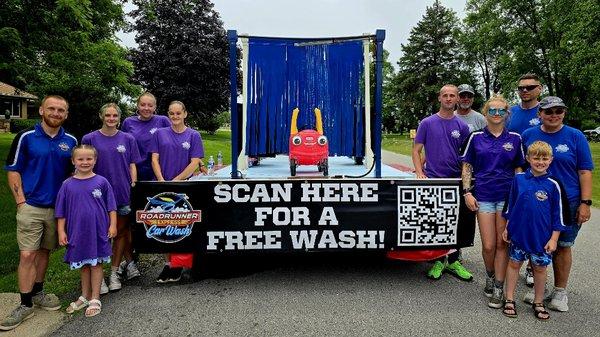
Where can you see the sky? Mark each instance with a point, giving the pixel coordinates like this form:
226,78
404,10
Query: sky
324,18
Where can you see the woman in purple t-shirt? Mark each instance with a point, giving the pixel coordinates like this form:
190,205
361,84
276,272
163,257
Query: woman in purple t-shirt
176,153
117,157
142,127
492,155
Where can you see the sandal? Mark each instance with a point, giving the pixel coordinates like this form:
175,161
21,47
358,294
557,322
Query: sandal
73,306
510,309
542,314
94,308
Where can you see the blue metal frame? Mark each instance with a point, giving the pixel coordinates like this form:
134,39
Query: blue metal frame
232,37
379,37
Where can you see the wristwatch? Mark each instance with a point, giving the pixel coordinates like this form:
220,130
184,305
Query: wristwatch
586,201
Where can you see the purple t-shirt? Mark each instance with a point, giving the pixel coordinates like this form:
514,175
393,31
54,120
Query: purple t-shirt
442,139
176,150
494,160
143,132
115,154
85,203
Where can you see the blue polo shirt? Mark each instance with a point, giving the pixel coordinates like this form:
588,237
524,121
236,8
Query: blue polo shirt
571,153
494,160
536,207
521,119
44,162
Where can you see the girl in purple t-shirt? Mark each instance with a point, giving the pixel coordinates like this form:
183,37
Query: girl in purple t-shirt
117,155
142,127
492,155
86,220
176,153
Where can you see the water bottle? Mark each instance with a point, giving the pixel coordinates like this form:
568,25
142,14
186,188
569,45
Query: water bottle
211,166
219,159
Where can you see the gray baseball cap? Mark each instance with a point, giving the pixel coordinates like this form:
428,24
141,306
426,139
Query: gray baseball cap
465,88
552,102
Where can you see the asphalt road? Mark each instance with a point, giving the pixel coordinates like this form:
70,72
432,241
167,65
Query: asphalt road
338,295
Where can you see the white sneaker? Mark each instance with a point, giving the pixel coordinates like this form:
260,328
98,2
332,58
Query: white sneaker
103,287
132,270
530,295
114,284
559,301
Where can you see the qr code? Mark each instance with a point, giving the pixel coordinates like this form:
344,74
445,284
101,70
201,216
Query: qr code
427,215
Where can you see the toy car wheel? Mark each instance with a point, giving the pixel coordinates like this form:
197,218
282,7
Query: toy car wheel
292,167
324,167
358,160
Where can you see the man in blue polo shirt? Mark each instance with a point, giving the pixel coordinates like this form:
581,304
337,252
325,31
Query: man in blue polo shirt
525,114
38,162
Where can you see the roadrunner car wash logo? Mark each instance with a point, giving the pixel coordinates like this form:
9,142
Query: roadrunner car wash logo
541,195
168,217
508,146
64,146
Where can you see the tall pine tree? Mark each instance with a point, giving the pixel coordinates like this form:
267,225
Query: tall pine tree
430,59
183,55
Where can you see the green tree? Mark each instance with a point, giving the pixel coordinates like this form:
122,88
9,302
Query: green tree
430,59
66,47
556,39
183,55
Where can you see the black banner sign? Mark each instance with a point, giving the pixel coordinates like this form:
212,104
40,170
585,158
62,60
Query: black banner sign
235,216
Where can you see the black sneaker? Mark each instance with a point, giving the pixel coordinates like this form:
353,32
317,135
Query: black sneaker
165,275
175,275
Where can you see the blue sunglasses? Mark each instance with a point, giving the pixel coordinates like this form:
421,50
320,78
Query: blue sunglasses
497,112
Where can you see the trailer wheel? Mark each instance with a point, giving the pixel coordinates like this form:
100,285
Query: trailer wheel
292,167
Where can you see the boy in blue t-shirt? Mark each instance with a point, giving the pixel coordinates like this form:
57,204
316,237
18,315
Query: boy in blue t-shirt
535,216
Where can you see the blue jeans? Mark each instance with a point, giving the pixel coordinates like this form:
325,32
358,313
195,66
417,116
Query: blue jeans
569,234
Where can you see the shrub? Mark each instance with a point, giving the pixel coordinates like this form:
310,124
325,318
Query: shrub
18,125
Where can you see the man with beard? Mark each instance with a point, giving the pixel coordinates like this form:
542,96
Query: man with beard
441,135
37,163
525,115
474,119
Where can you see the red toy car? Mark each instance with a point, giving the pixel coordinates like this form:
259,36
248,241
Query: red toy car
308,147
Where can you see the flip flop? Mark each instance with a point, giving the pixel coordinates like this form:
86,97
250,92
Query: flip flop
94,308
73,306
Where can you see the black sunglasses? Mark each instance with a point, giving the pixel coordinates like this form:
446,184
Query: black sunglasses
554,111
527,87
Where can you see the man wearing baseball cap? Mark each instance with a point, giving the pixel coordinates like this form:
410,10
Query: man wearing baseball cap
474,119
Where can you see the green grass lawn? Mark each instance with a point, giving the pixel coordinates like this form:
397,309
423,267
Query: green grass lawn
59,279
402,144
397,143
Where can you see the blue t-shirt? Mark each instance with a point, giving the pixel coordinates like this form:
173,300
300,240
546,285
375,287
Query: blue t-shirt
44,162
571,153
521,119
536,207
442,139
494,160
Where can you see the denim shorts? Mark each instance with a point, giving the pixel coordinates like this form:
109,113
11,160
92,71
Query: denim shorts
569,234
490,206
538,259
123,210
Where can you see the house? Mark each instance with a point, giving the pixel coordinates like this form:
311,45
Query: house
16,102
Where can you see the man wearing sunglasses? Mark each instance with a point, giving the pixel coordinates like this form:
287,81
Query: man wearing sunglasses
572,165
524,115
474,119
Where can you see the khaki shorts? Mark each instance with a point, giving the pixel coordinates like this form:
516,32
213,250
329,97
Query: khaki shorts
36,228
